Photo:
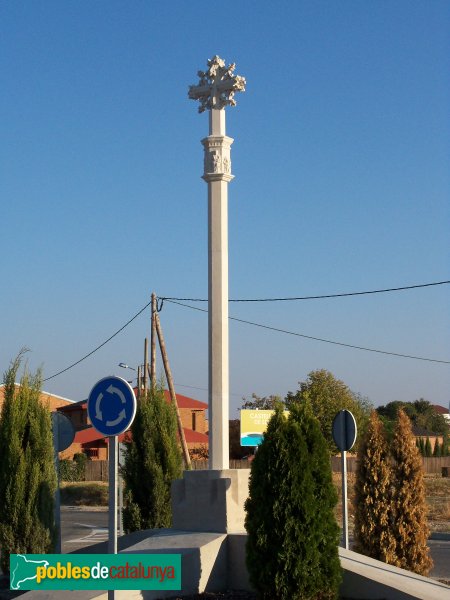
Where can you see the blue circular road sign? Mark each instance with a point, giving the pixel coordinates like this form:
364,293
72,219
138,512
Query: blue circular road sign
111,405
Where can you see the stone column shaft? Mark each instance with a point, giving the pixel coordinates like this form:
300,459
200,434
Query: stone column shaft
218,174
218,324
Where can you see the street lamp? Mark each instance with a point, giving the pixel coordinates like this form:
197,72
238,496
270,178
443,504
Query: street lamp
125,366
139,374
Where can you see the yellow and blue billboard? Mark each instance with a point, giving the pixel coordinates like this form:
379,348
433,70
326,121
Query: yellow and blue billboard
253,425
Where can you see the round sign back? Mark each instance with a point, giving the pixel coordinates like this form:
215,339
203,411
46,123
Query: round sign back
63,431
344,430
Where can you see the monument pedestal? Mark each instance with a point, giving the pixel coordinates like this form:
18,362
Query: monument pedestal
210,500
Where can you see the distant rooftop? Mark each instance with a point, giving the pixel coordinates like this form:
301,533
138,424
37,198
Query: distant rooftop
422,432
440,409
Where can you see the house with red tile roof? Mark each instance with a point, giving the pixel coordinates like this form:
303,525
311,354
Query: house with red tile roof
445,412
52,401
89,441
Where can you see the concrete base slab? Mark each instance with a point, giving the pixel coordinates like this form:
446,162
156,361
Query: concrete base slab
203,559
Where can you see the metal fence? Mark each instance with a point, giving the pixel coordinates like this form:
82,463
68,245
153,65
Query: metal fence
97,470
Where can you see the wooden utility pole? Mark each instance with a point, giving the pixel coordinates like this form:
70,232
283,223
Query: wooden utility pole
138,382
145,366
153,345
162,346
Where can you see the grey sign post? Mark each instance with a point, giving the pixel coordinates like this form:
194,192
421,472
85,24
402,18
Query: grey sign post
111,408
121,464
63,436
344,435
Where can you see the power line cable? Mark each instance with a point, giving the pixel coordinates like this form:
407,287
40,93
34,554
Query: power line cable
177,301
289,299
100,346
317,339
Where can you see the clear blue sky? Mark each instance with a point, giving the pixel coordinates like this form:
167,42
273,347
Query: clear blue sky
341,159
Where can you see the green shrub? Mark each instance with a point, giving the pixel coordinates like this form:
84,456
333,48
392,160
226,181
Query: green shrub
152,461
27,470
422,446
293,536
437,449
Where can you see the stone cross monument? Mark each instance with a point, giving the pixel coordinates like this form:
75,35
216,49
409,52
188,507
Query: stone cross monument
215,90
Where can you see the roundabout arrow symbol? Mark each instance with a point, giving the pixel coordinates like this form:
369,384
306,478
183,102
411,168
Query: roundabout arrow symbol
113,390
98,412
120,418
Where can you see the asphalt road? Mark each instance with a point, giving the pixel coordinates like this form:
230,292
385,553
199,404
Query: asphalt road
81,528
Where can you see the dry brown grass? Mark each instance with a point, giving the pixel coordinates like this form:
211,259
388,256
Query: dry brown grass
84,493
437,491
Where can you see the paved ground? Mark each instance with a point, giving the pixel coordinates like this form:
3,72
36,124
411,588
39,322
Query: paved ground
440,551
81,528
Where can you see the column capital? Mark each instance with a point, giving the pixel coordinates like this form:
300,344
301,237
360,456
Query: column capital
217,163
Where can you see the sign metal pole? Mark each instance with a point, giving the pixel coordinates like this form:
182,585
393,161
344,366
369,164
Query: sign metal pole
344,498
112,517
121,461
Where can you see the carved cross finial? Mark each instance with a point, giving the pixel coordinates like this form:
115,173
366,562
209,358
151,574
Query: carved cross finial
217,85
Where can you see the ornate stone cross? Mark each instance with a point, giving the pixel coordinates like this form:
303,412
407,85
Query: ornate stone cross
215,90
216,86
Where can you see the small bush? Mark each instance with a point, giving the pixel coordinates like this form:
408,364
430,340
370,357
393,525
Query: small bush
73,470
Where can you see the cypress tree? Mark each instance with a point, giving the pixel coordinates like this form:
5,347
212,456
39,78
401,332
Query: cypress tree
437,449
293,536
422,446
152,461
373,490
428,451
27,472
410,526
